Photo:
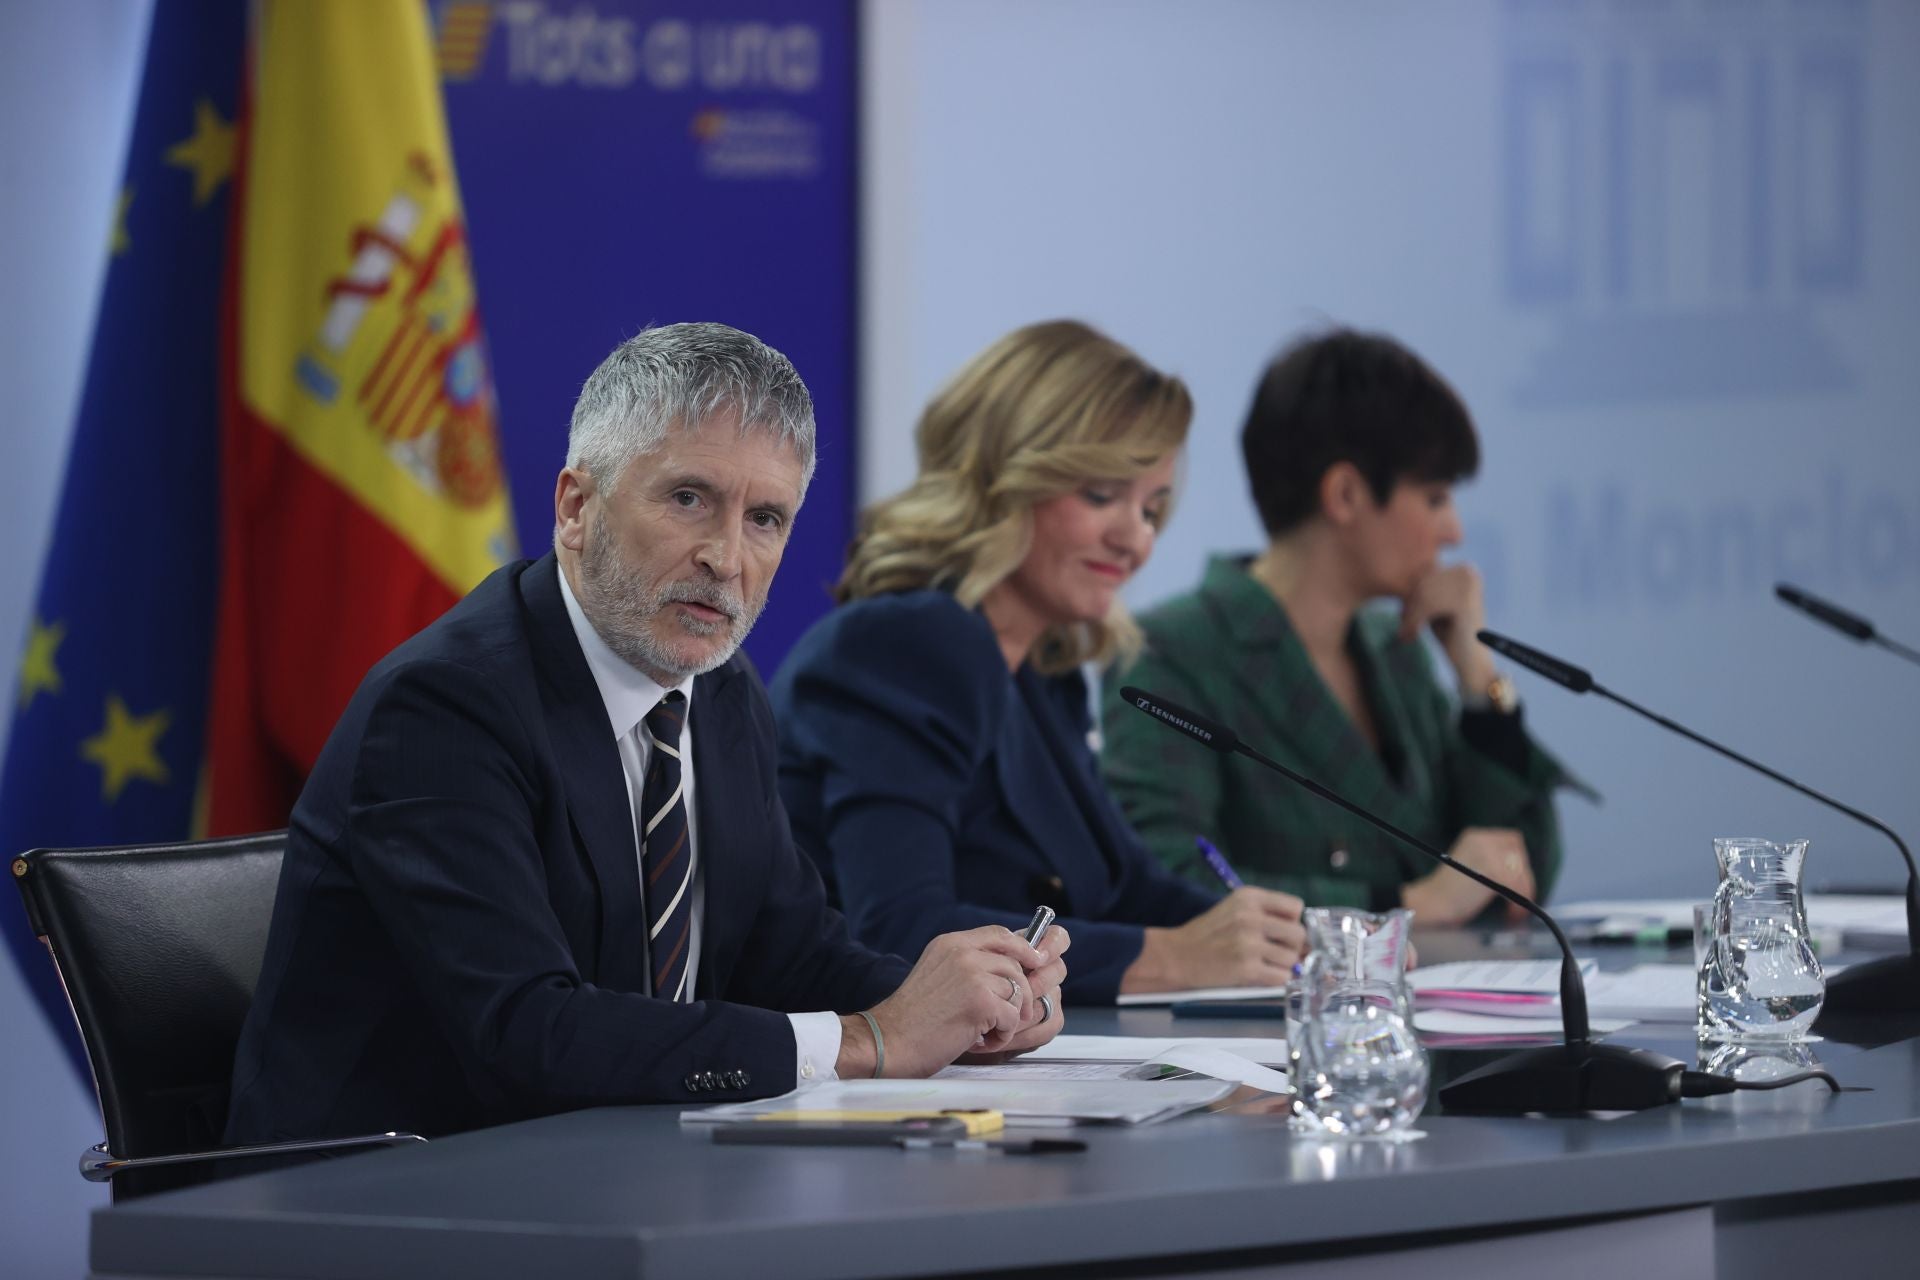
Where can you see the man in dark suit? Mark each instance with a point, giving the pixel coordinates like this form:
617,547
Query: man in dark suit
542,863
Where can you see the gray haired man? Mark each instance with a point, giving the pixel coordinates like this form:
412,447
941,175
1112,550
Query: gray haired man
542,864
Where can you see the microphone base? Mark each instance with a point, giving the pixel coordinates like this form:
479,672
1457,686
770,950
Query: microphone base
1888,985
1567,1079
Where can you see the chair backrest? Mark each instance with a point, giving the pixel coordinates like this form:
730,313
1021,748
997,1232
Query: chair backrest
159,947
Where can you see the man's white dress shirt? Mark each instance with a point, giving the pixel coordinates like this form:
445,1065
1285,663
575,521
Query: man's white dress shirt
629,695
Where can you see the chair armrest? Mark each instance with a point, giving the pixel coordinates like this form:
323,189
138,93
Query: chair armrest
97,1164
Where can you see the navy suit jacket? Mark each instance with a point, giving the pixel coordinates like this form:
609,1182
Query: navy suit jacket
459,938
937,792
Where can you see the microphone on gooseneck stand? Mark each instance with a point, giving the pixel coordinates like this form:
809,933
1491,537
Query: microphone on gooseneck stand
1884,985
1576,1076
1851,624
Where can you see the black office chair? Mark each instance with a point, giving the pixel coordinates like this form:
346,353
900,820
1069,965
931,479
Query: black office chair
159,948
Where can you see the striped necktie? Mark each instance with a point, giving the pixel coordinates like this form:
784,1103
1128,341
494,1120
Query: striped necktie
666,859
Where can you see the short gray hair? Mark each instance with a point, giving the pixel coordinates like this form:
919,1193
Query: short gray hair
685,374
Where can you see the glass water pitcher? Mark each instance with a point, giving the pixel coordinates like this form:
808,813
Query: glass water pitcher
1358,1068
1759,977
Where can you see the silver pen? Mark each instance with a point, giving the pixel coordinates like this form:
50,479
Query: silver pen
1037,928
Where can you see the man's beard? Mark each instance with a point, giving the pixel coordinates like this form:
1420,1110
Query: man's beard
623,609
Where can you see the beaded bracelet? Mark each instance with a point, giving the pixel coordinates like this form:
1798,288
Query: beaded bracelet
879,1045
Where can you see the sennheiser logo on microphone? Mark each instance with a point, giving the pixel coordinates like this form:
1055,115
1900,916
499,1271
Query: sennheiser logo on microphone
1205,735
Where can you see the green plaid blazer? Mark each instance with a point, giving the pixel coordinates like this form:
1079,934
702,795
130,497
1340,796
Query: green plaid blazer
1228,651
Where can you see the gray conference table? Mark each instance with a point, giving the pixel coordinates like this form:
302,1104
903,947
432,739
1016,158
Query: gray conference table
1793,1182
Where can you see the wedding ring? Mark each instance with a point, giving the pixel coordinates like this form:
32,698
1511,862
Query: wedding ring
1013,992
1046,1009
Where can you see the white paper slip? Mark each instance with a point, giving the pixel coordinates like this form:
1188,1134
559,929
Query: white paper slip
1518,977
1138,1049
1644,993
1219,1059
1021,1069
1201,993
1862,919
1671,912
1457,1022
1198,1056
1042,1102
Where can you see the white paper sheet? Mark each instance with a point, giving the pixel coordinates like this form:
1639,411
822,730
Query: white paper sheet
1645,993
1860,917
1022,1102
1222,1061
1456,1022
1201,993
1138,1049
1124,1057
1519,977
1021,1069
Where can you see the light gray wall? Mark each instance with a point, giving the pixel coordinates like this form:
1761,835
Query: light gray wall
68,76
1666,251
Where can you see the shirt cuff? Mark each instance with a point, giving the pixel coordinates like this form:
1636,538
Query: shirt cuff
816,1046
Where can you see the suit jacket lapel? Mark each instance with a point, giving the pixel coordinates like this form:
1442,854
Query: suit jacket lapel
596,784
1280,683
727,853
1393,719
1034,750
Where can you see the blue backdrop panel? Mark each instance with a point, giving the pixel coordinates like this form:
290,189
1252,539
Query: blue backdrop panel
626,164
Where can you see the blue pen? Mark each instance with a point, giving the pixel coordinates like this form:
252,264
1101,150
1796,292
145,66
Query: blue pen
1218,861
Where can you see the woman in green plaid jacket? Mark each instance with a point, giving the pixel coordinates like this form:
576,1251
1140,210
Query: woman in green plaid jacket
1353,446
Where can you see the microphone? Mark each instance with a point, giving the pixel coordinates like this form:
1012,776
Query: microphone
1850,624
1578,1075
1880,986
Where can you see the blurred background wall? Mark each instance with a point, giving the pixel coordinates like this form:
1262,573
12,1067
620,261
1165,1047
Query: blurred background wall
68,77
1666,250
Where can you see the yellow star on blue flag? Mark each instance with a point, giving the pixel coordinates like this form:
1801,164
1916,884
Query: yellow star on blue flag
127,747
109,724
208,153
38,674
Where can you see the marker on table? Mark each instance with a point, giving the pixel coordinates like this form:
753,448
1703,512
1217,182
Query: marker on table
1218,861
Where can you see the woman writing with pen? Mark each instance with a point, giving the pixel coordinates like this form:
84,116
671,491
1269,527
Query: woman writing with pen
933,729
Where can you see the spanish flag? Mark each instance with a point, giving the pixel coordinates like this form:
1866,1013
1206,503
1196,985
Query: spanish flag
361,482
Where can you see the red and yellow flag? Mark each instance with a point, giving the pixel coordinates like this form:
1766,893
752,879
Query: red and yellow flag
362,486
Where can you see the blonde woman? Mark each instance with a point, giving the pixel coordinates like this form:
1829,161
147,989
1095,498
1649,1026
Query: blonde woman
933,729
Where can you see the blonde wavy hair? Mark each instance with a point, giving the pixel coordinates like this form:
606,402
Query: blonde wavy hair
1044,410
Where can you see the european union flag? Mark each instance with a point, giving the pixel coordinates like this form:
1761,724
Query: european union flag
110,710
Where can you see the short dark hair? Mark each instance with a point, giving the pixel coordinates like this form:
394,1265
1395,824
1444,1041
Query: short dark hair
1351,397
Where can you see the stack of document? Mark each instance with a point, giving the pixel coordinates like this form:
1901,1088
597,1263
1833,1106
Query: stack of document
1247,1060
1868,921
1200,993
1488,996
1040,1102
1072,1080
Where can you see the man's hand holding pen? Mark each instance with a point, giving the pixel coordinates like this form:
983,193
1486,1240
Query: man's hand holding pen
983,991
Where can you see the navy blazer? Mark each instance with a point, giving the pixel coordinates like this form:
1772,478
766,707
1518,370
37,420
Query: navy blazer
938,792
459,938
